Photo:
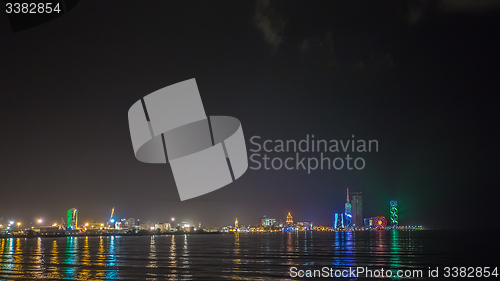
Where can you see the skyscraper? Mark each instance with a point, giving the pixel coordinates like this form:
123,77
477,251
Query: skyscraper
338,221
394,214
347,212
357,210
72,220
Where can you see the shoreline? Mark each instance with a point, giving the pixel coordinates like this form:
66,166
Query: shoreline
164,234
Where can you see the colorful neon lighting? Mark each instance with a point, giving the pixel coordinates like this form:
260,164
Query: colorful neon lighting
394,214
380,222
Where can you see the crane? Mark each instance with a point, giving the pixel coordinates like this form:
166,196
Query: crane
111,217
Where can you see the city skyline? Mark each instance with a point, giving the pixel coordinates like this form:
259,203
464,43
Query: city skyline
348,219
66,141
249,140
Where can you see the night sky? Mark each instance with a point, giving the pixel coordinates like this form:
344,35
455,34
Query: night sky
421,77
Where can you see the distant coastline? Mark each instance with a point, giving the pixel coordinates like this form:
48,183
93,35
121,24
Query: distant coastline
163,233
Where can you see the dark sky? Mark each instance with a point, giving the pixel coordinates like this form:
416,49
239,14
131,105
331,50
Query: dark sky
421,77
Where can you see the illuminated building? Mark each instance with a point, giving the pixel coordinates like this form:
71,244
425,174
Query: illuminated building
357,210
72,219
130,224
94,225
236,223
347,212
267,221
289,219
369,222
163,227
187,227
394,214
305,225
339,221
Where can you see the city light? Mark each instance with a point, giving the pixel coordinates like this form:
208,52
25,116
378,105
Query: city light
349,220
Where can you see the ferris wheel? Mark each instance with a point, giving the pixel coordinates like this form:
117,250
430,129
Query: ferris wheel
380,222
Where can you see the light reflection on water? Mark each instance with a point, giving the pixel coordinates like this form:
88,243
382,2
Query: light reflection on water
242,256
85,273
173,259
8,257
71,258
237,259
53,270
111,272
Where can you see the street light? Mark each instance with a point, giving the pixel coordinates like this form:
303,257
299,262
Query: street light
39,221
173,219
18,224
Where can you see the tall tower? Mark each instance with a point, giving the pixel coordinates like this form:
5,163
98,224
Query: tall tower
347,213
357,209
339,221
236,223
289,220
394,214
72,219
353,210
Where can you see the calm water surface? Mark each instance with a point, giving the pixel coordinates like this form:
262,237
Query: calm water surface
246,256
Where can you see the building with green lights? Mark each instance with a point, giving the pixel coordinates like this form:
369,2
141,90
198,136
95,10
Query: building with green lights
72,219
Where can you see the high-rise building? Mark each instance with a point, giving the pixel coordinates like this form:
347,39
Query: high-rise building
357,210
394,214
236,223
289,219
347,212
338,221
72,219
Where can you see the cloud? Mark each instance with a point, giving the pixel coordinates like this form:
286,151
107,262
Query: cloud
270,23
